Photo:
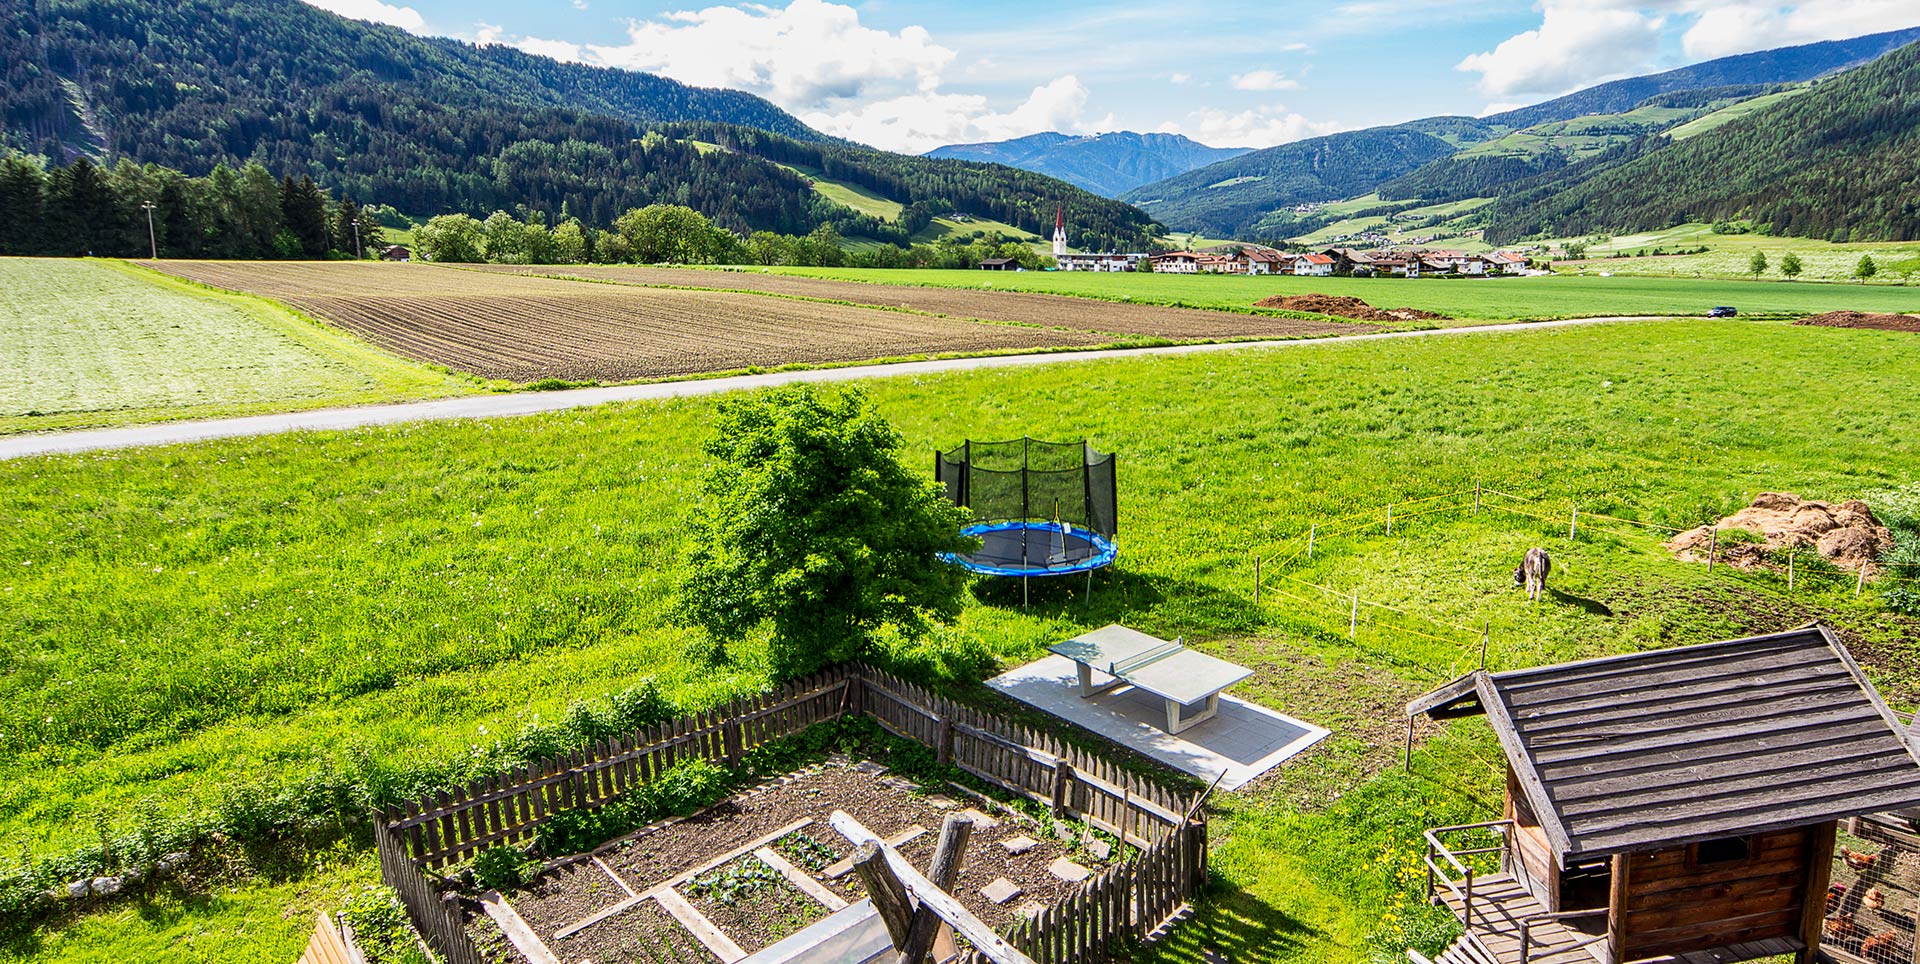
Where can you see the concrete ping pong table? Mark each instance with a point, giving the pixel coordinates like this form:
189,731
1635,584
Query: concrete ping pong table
1169,670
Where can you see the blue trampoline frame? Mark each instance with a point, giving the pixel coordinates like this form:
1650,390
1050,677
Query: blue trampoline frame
1105,552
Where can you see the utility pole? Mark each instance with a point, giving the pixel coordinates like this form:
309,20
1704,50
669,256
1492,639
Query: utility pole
357,256
153,246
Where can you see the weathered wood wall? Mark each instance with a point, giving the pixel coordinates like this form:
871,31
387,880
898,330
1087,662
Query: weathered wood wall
1531,858
1674,904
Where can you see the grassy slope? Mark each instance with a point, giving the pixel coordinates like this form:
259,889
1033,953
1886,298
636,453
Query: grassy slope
194,616
92,343
1469,299
1730,254
1733,112
1400,232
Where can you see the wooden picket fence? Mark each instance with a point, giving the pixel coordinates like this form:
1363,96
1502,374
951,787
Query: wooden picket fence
1131,898
328,945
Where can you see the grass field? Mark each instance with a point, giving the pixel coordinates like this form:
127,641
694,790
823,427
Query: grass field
92,343
1473,299
191,620
1733,112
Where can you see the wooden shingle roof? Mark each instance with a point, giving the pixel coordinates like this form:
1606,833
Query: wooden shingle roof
1651,750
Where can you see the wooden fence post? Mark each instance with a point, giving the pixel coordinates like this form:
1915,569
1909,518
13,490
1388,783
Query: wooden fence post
945,869
944,752
1713,546
888,894
1476,497
1389,518
1256,579
1573,524
1791,555
1062,781
1312,530
1860,583
1353,617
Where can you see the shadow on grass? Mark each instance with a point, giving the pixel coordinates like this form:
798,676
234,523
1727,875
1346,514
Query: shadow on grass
1168,605
1230,924
1592,607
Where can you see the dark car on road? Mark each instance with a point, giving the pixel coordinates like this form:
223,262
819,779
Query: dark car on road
1723,311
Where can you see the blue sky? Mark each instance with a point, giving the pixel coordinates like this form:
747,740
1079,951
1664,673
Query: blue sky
913,76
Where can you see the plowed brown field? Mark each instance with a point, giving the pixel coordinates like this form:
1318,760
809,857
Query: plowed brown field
510,326
1024,307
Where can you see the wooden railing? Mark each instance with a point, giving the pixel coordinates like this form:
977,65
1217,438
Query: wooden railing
1460,882
1526,931
448,827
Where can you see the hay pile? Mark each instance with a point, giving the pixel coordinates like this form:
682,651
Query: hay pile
1861,319
1343,306
1847,534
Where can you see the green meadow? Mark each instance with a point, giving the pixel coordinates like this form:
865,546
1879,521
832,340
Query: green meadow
189,624
92,343
1467,299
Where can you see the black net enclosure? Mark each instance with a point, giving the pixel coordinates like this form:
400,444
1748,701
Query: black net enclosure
1028,479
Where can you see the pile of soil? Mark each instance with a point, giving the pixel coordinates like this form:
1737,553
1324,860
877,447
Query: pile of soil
1847,534
1862,319
1344,306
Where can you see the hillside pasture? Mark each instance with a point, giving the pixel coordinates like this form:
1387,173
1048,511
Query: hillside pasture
92,343
524,329
394,604
1729,256
990,304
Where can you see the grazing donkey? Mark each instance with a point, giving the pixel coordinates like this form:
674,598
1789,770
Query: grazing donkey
1533,573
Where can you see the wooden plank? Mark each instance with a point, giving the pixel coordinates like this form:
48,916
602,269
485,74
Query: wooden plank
950,910
1439,698
618,880
800,879
603,913
1520,761
1814,898
703,929
515,927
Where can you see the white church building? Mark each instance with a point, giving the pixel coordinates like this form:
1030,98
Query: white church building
1105,261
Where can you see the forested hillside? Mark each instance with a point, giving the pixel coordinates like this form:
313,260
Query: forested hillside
1836,162
431,126
1227,199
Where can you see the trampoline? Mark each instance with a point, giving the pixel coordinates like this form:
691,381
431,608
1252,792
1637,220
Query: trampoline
1045,508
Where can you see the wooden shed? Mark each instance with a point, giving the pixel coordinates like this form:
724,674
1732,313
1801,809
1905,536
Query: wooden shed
1679,805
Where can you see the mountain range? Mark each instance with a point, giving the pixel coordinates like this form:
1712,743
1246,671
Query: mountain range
1108,164
1240,197
432,125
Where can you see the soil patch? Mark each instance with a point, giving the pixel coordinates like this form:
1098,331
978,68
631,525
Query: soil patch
1846,535
759,909
1345,306
1862,319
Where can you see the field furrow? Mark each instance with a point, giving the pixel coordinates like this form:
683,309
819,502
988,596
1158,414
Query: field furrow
524,328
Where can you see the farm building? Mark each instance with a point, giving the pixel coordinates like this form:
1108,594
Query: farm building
396,252
1681,805
1313,264
1000,264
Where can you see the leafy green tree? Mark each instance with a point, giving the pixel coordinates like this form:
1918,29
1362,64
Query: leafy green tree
1757,264
455,238
809,522
568,243
1790,265
1866,268
673,233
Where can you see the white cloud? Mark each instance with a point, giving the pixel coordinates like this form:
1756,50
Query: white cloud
406,18
1726,28
1584,42
1260,127
1264,80
1578,42
925,120
1296,47
1179,78
815,58
805,55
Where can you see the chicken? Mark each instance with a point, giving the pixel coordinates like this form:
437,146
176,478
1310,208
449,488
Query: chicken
1840,928
1857,860
1874,900
1882,947
1836,893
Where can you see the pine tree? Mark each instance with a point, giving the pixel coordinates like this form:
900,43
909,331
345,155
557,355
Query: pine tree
303,210
82,214
21,182
346,233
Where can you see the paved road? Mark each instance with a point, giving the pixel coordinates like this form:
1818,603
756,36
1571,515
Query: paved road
530,403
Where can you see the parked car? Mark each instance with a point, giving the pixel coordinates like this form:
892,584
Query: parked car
1723,311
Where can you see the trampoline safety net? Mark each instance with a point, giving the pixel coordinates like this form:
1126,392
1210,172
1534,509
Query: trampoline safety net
1027,479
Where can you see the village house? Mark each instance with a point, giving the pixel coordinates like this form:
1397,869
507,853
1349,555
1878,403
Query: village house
1000,264
1506,262
1345,260
1316,265
1177,262
1261,261
1106,262
396,252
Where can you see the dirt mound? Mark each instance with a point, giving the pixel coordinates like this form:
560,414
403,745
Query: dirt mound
1344,306
1847,534
1861,319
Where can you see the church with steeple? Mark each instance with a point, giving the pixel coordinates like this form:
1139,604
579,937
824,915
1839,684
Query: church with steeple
1087,262
1059,232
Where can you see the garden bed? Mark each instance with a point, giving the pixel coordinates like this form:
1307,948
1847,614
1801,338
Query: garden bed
618,903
